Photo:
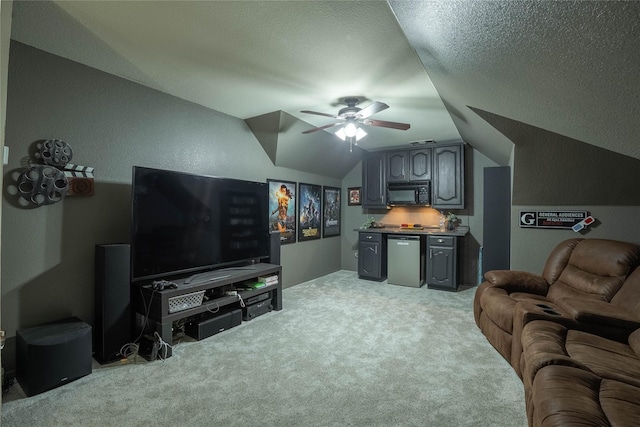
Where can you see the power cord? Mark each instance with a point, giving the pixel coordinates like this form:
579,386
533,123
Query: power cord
160,348
213,311
132,349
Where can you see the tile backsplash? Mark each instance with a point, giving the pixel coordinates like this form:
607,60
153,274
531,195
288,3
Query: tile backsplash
409,215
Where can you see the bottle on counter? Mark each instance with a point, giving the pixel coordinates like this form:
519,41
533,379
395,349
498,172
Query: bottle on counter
442,221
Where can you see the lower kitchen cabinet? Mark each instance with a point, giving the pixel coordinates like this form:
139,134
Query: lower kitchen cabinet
372,256
442,262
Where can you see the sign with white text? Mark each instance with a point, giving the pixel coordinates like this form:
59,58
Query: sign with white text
551,219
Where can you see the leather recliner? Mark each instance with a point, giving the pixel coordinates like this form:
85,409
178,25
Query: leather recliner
578,273
574,377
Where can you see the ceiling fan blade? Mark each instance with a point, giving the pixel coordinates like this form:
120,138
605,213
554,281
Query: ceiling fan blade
333,116
372,109
382,123
321,128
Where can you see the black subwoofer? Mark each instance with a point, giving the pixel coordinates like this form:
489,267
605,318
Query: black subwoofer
113,322
51,355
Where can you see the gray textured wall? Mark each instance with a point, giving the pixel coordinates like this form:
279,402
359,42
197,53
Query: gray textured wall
112,124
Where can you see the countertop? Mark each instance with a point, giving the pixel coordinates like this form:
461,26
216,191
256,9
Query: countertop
390,229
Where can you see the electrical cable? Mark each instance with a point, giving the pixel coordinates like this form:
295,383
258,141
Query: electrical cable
216,310
161,346
132,348
147,311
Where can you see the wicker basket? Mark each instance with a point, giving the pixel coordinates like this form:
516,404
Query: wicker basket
186,301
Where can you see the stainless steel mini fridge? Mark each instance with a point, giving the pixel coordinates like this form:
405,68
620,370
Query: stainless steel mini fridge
405,261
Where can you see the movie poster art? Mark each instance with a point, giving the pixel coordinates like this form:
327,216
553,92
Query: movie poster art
330,211
282,209
309,211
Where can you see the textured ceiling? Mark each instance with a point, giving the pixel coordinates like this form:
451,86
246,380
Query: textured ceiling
570,67
251,58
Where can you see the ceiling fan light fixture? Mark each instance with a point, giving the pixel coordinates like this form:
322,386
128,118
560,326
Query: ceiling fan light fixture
350,129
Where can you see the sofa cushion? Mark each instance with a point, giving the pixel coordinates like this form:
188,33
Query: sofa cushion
544,344
558,260
596,269
604,357
605,257
568,396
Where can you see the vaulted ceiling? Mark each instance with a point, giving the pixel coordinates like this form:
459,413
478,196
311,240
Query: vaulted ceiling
567,67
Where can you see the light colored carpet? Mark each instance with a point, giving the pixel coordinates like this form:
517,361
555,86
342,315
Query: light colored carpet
342,352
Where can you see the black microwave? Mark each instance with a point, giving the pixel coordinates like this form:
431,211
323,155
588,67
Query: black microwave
409,193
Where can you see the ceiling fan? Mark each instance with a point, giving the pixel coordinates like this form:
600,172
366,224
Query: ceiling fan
351,116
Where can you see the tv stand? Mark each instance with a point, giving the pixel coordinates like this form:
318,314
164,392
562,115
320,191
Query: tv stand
152,307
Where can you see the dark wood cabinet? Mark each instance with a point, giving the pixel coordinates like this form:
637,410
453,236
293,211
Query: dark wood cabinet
374,185
372,257
397,163
448,177
419,161
442,165
442,262
408,165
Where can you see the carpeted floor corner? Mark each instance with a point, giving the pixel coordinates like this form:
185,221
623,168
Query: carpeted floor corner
342,352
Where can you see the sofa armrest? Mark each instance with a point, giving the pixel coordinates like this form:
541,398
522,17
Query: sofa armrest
517,281
600,313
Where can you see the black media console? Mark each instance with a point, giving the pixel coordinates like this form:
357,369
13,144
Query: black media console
211,292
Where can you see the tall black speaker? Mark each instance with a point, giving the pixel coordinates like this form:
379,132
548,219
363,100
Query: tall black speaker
113,321
274,248
496,245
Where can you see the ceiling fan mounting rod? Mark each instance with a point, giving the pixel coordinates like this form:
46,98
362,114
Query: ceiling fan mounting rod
351,102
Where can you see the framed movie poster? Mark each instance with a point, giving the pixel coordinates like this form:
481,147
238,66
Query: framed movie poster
309,211
354,196
282,209
330,211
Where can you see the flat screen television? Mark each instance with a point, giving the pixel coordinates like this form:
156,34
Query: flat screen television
185,223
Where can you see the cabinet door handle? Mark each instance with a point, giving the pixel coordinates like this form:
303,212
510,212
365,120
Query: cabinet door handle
430,253
369,237
440,240
375,250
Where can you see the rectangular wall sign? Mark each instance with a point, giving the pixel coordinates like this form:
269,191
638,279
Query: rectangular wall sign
551,219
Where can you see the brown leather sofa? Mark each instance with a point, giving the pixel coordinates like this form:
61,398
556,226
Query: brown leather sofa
573,377
572,333
579,284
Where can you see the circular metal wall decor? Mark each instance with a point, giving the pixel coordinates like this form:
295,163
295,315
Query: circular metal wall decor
42,185
55,152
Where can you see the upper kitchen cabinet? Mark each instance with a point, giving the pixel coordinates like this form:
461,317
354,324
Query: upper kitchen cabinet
374,186
443,165
408,165
448,177
420,164
397,163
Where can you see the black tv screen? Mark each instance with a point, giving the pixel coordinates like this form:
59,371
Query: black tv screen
186,223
